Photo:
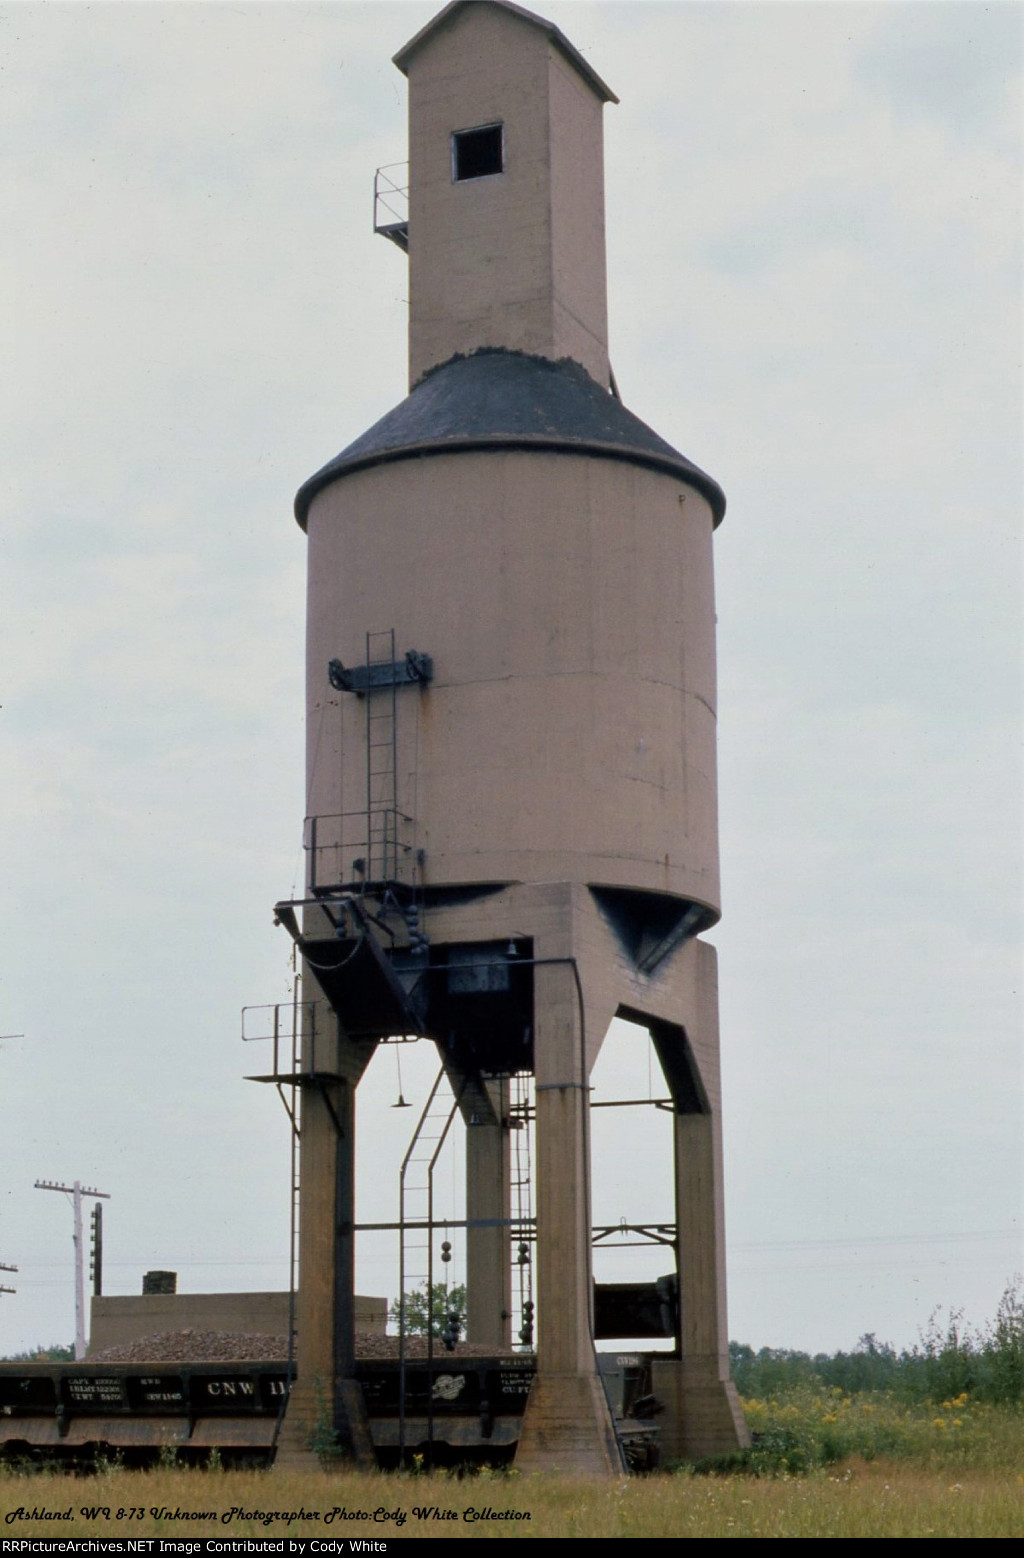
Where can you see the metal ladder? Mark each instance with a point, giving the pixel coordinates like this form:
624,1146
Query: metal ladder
520,1118
381,762
291,1022
416,1231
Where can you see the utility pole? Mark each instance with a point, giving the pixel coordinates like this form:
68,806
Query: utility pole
3,1267
77,1192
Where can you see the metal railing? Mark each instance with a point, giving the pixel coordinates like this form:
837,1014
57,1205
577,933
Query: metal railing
391,203
355,849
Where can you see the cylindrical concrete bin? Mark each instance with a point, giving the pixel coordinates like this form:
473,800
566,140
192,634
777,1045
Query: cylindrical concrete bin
567,602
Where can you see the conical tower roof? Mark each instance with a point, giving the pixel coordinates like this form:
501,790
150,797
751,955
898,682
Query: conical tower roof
509,400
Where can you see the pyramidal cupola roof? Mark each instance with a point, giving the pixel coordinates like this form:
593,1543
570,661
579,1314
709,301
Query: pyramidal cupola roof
443,18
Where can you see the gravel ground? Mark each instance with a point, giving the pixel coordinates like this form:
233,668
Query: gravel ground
191,1346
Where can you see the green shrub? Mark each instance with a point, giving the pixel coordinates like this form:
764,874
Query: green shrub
54,1354
951,1359
808,1428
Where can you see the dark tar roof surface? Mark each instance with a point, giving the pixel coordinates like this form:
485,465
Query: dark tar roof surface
508,400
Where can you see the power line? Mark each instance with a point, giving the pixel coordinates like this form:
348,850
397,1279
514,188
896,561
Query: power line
872,1239
766,1246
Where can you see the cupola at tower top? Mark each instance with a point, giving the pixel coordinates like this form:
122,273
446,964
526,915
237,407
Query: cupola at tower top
506,190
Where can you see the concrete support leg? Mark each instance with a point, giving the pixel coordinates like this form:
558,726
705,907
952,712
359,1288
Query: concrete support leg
567,1424
702,1413
326,1414
699,1214
351,1428
488,1249
702,1416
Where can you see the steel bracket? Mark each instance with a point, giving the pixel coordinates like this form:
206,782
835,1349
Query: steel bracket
415,669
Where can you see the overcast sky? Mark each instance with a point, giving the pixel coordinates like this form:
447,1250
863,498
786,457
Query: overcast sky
814,219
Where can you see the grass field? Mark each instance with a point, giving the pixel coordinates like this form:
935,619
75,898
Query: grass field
825,1464
859,1500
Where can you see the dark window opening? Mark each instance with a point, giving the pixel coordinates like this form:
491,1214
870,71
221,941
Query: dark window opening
477,153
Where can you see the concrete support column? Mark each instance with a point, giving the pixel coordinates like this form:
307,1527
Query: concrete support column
702,1416
326,1413
567,1424
700,1218
351,1429
309,1419
489,1250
